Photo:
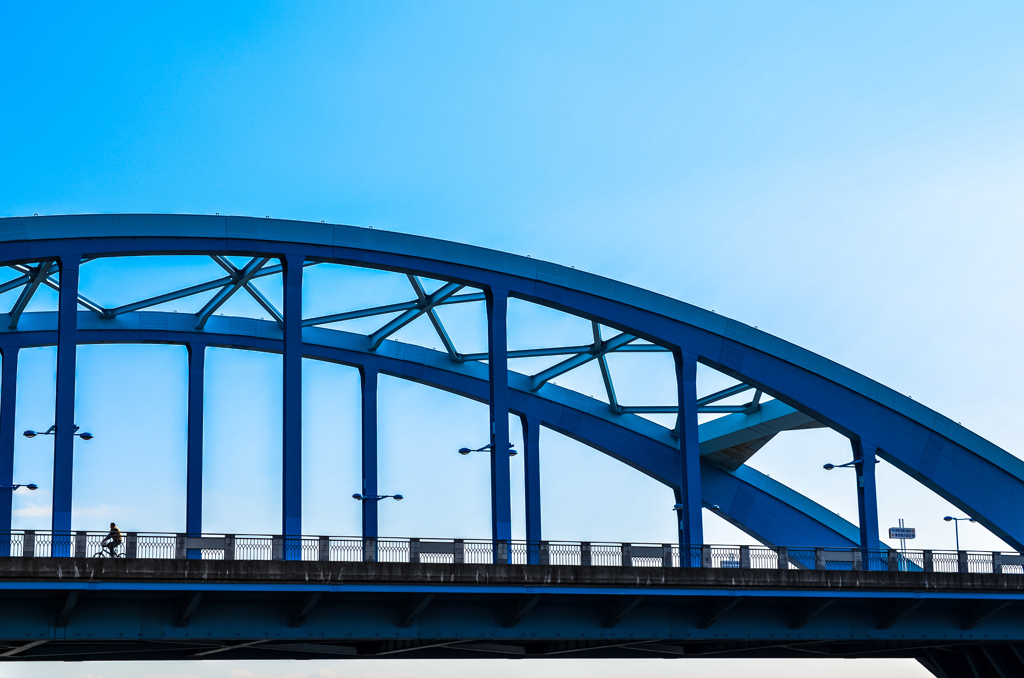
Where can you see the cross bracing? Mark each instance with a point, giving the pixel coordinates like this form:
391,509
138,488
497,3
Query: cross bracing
976,476
423,306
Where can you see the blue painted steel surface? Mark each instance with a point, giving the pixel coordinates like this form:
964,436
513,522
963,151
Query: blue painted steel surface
64,417
291,475
194,472
531,482
972,473
690,520
867,493
8,398
368,392
497,364
763,507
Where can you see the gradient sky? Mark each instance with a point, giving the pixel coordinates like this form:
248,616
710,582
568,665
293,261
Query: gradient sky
846,176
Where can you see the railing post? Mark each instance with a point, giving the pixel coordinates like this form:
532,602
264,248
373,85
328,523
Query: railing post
323,549
277,547
745,557
819,559
28,548
997,562
857,560
544,553
501,557
627,555
229,547
961,562
783,552
414,550
131,545
370,550
666,555
928,561
179,546
707,559
893,560
459,552
80,544
586,555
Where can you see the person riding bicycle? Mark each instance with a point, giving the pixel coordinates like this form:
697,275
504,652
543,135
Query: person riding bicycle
112,540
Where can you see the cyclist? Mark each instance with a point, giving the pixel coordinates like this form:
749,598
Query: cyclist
112,540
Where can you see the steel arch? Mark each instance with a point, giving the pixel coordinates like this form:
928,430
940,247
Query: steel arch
962,467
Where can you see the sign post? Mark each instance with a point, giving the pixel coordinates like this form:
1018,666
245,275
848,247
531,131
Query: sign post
903,533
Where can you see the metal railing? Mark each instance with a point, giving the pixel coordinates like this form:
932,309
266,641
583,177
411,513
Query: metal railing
45,544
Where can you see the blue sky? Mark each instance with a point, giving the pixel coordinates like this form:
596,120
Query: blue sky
845,175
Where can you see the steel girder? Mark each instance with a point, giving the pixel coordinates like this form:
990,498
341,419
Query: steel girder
967,470
760,506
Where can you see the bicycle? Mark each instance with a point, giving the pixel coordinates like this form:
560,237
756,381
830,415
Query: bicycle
112,553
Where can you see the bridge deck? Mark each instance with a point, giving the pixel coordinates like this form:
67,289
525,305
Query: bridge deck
80,609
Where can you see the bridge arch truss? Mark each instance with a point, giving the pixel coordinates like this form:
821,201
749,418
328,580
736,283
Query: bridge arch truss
698,461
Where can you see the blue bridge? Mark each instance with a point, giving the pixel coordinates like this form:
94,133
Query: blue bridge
817,586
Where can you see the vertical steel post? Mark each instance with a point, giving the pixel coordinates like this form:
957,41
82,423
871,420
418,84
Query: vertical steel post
291,477
8,403
691,530
64,416
369,436
497,364
531,469
194,472
867,494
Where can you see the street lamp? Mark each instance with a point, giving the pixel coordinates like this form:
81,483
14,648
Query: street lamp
956,527
84,435
849,464
31,486
487,448
376,497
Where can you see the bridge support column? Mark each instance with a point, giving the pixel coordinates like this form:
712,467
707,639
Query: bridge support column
64,415
531,454
497,363
691,529
867,494
194,472
291,496
369,380
8,404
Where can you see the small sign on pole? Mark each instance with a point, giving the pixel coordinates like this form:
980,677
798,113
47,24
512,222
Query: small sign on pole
902,533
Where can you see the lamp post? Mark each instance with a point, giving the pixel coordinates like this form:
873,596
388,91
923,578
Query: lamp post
956,527
84,435
487,448
376,497
13,487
